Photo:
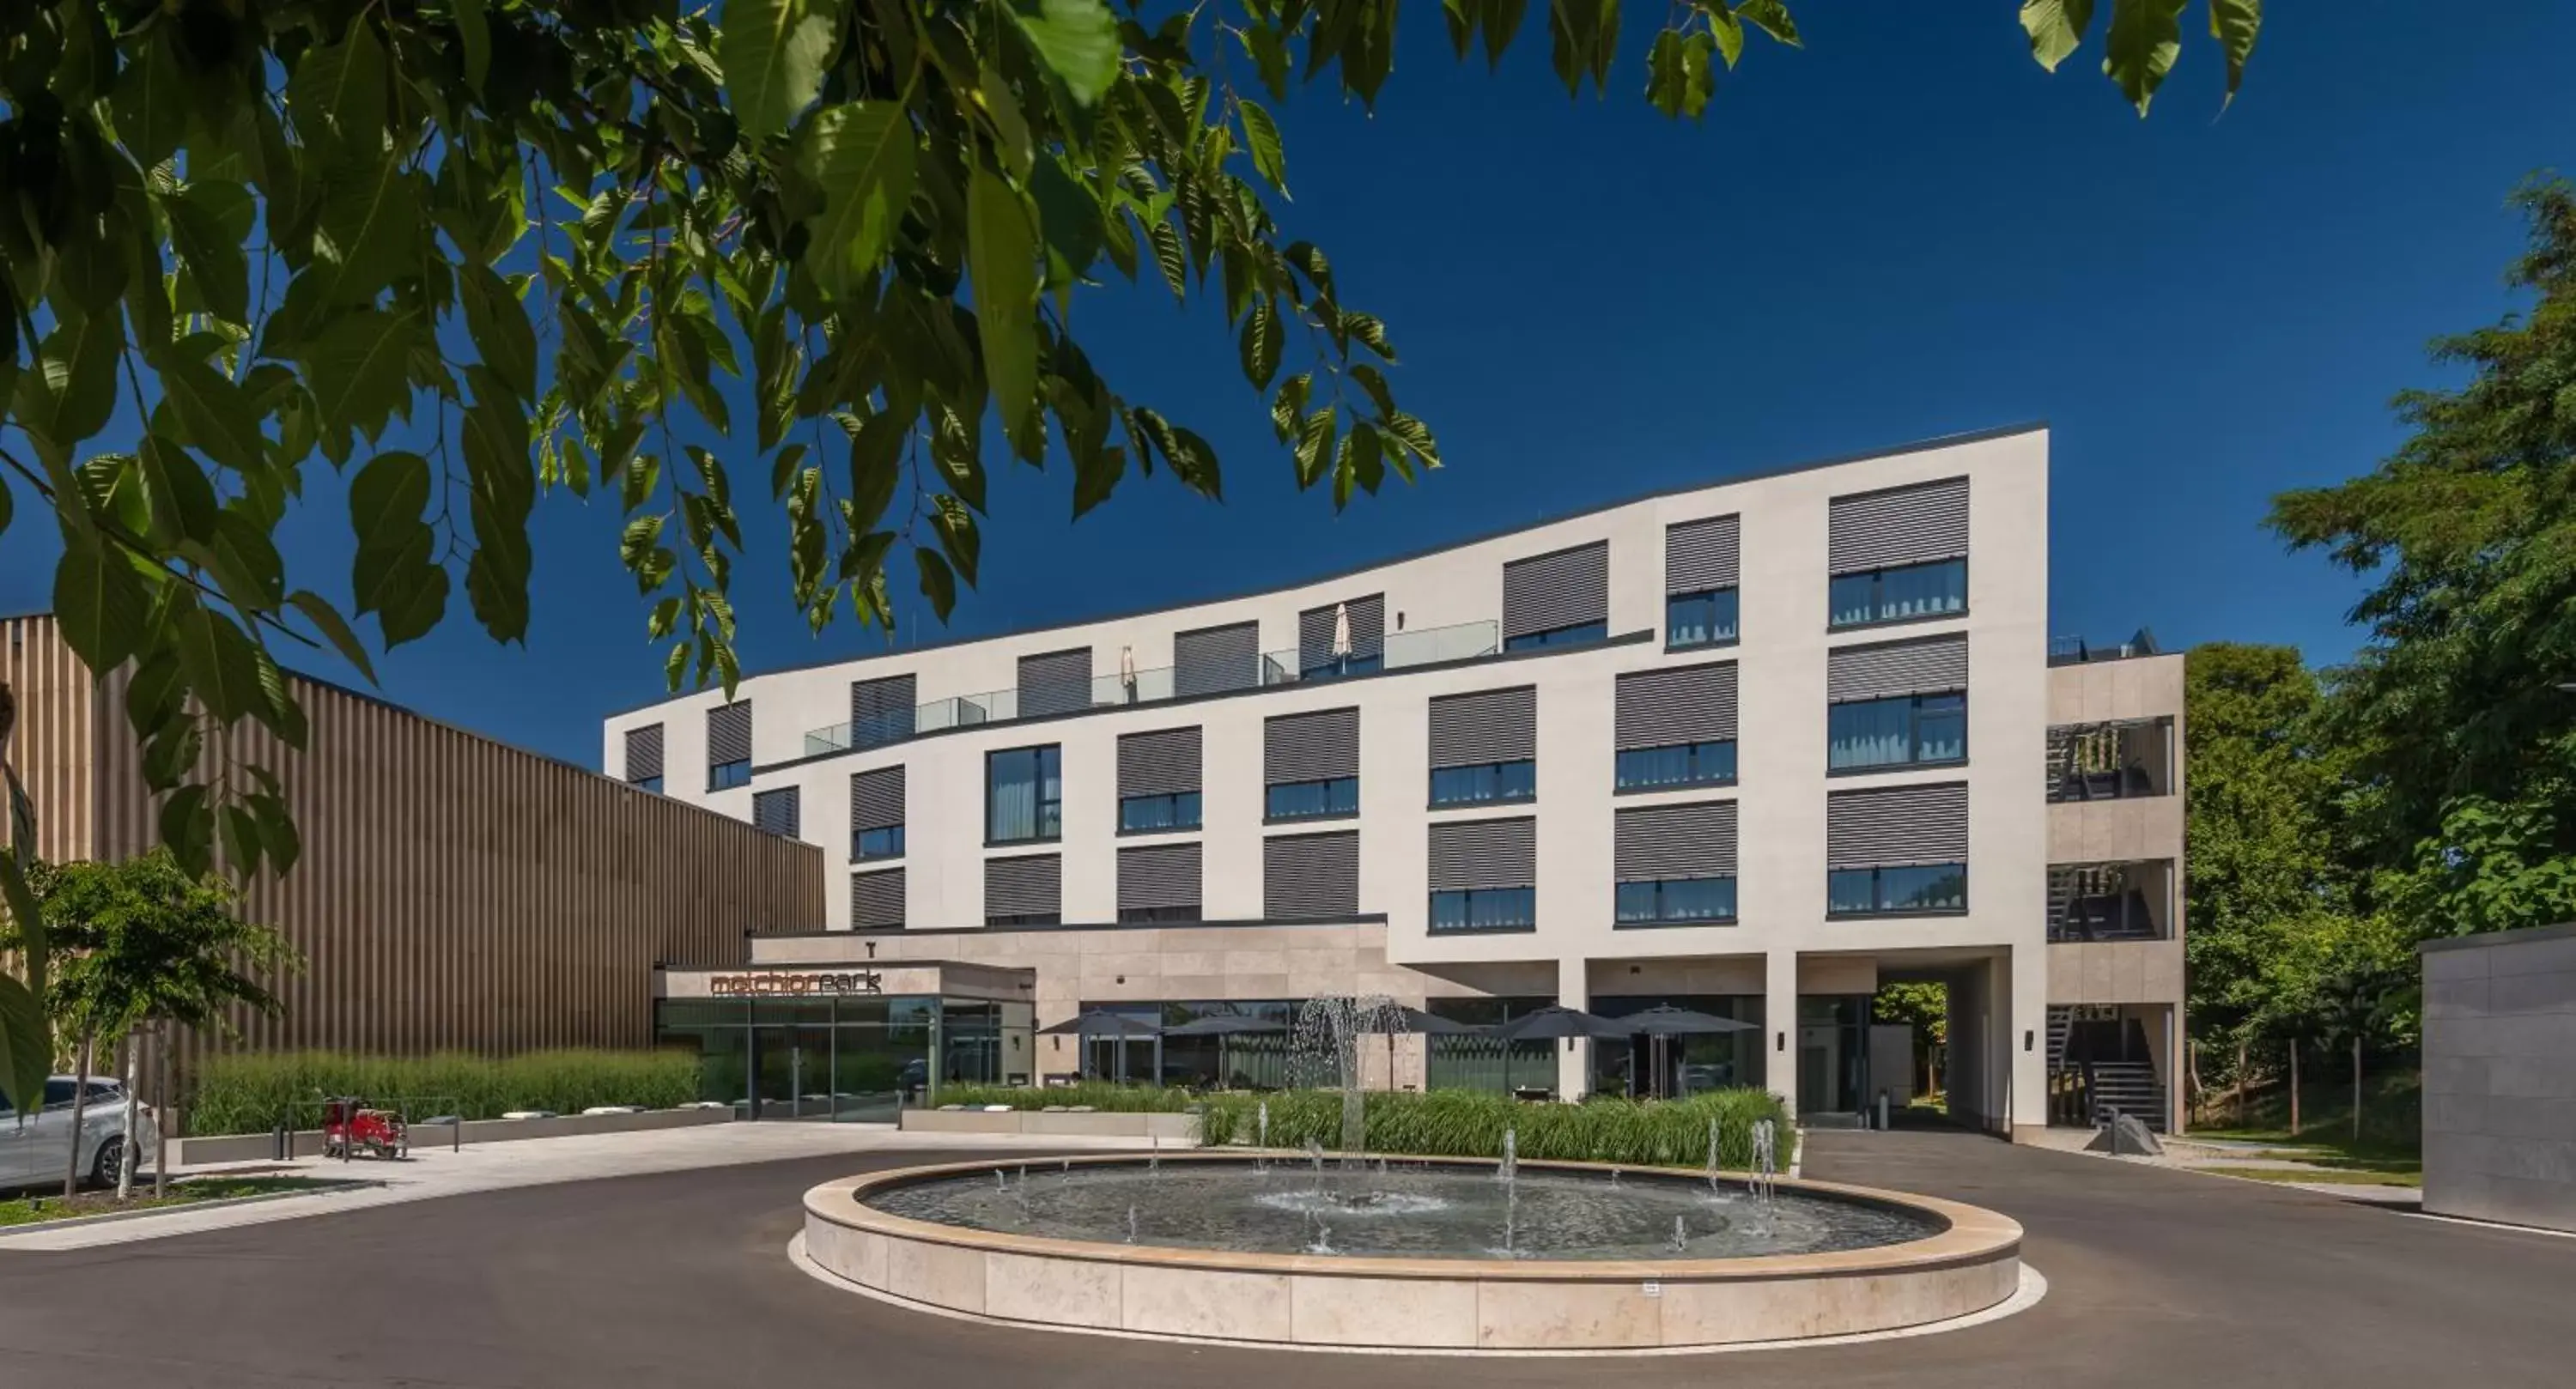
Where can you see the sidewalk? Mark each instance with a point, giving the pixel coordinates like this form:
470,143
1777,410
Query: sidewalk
432,1173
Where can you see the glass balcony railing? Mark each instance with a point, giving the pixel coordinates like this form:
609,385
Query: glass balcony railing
1467,641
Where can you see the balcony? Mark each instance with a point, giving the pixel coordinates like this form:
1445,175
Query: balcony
2098,902
2076,651
2110,761
1467,641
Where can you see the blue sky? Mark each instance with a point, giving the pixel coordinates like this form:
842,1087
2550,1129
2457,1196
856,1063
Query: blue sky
1904,230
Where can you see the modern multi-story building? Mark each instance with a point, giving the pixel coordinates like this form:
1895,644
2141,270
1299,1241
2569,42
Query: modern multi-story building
1754,748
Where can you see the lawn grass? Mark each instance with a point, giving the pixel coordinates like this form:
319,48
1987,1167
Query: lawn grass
33,1210
2326,1176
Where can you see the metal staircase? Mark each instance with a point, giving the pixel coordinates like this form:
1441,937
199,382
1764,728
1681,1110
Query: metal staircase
2131,1088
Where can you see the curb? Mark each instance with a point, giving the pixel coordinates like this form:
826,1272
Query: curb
7,1232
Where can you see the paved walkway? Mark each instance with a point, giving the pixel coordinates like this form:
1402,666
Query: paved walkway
2157,1278
435,1172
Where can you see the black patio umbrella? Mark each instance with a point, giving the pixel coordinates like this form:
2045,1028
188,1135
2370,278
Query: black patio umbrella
1224,1025
1556,1021
1665,1020
1413,1020
1101,1023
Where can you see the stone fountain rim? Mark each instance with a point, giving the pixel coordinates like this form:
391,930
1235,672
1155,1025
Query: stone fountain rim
1974,1235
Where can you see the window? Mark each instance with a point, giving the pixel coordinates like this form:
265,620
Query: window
1175,911
1023,918
1345,638
1909,730
1148,814
1485,909
1328,666
1485,783
729,746
648,783
1682,764
644,758
1576,635
1315,800
1676,899
724,776
776,811
1699,619
881,843
1024,796
1897,891
1900,594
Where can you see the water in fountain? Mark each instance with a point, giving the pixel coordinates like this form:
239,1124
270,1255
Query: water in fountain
1681,1235
1000,1182
1131,1223
1324,1052
1510,1167
1262,1145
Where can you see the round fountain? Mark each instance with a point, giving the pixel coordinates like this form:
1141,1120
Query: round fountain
1358,1251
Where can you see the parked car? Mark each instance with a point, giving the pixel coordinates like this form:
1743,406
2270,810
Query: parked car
33,1147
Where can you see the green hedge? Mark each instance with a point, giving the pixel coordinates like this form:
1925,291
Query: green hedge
1470,1123
1446,1123
249,1093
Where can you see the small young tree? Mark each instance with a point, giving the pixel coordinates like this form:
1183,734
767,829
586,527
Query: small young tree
148,943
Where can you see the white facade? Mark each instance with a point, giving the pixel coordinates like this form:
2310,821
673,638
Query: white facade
1781,943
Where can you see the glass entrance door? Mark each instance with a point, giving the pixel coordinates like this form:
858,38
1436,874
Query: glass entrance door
791,1072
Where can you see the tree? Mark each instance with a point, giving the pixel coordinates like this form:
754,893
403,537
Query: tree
2463,737
145,942
475,251
1924,1007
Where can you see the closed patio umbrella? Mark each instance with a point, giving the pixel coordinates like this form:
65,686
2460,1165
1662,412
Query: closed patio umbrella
1341,632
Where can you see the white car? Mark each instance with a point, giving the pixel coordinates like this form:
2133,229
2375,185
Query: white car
33,1148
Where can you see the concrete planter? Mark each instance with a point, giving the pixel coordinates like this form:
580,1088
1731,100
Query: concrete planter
256,1147
1169,1127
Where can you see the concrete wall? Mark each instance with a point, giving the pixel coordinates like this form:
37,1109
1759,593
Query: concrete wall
2500,1077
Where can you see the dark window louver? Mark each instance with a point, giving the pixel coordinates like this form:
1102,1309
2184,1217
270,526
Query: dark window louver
1319,746
1161,763
1469,730
1368,631
1678,704
1886,670
1304,876
1569,588
1031,885
876,799
1701,555
729,733
876,900
1162,876
881,711
775,812
1471,854
1058,682
1213,660
643,753
1676,841
1908,525
1895,826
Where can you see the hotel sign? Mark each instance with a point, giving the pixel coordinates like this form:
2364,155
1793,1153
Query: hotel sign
794,984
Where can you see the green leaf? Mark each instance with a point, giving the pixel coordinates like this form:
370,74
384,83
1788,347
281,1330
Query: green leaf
1002,256
99,600
958,539
72,391
1263,339
396,575
937,583
242,847
277,833
2055,27
1261,136
182,501
26,1040
1076,39
2145,38
386,499
1771,17
209,222
1666,83
246,562
2236,24
221,665
217,415
1728,33
188,827
26,917
876,467
369,231
499,326
474,39
1068,221
359,370
861,156
334,628
151,101
773,53
1314,449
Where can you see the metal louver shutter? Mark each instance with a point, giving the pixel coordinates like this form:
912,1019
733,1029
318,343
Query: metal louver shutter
1164,763
643,753
1701,555
1368,630
1484,853
1310,875
1311,747
775,811
1163,875
729,733
1566,589
1031,885
1890,669
876,800
1468,730
1677,841
1908,525
1058,682
1897,825
1215,659
881,711
876,900
1678,704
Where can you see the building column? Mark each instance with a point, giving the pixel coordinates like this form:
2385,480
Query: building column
1574,1056
1780,1027
2025,1101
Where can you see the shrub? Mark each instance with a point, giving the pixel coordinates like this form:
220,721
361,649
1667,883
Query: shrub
1099,1094
250,1092
1470,1123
